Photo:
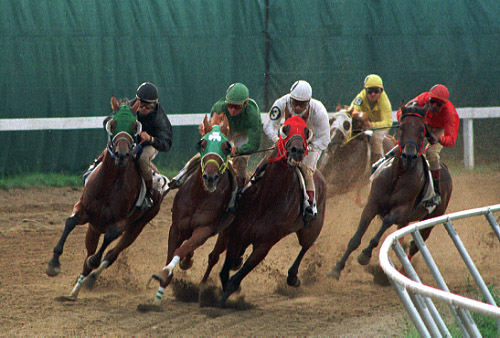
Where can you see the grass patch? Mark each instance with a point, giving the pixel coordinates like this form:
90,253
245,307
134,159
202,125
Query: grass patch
37,180
486,325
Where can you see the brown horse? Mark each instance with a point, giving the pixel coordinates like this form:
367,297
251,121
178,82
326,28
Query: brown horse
397,189
271,209
200,208
108,202
345,162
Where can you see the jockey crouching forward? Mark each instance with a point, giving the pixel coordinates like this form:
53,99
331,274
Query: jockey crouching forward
300,102
245,127
156,135
442,123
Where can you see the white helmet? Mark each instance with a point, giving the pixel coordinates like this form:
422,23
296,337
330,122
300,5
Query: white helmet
301,91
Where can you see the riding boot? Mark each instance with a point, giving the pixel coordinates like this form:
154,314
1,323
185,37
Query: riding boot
148,199
92,166
310,211
177,181
436,200
388,155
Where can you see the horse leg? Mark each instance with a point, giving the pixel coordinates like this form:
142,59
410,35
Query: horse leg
413,246
54,266
258,254
91,242
366,217
94,261
365,255
213,257
292,278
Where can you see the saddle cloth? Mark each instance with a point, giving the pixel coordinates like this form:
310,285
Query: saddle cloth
160,183
428,190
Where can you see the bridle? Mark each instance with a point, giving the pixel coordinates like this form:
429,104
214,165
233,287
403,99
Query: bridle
417,146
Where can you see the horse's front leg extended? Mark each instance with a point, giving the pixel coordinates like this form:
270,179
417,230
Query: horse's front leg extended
365,255
213,257
258,254
366,217
292,278
54,266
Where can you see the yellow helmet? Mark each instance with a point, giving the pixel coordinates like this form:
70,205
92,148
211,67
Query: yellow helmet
373,80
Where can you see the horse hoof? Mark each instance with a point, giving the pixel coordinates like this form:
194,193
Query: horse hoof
89,281
158,277
52,271
65,299
293,281
186,263
93,262
363,259
334,273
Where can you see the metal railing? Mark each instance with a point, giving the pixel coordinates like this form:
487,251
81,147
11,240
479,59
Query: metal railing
417,298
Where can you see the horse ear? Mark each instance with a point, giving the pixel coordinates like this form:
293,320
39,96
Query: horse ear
203,128
135,106
224,127
114,103
402,105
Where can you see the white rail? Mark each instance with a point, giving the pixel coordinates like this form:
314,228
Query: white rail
67,123
406,288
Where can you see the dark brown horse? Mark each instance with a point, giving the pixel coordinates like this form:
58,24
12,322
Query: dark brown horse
271,209
345,162
108,203
397,189
200,208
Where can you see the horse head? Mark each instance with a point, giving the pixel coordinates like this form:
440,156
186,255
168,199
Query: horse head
411,134
122,129
294,137
214,149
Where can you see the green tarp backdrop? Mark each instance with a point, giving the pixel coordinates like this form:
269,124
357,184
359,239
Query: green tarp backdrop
66,59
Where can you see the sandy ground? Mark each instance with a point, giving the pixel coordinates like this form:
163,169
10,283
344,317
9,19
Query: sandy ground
31,222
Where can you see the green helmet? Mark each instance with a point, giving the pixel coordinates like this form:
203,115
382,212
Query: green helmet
237,94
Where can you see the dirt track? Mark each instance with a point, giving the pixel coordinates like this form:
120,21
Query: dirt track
31,222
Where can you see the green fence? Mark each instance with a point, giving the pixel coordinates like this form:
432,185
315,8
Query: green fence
66,59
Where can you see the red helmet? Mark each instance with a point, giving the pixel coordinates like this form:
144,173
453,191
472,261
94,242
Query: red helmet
439,92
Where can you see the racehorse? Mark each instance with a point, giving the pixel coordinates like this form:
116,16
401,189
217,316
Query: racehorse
397,189
272,208
345,162
108,201
200,208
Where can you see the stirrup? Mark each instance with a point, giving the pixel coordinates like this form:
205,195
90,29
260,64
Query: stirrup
148,202
310,213
435,200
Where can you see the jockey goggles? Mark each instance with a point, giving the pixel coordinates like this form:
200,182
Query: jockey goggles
215,139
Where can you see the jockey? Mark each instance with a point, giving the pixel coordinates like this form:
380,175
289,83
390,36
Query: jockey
300,102
442,123
245,126
156,135
245,123
374,102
